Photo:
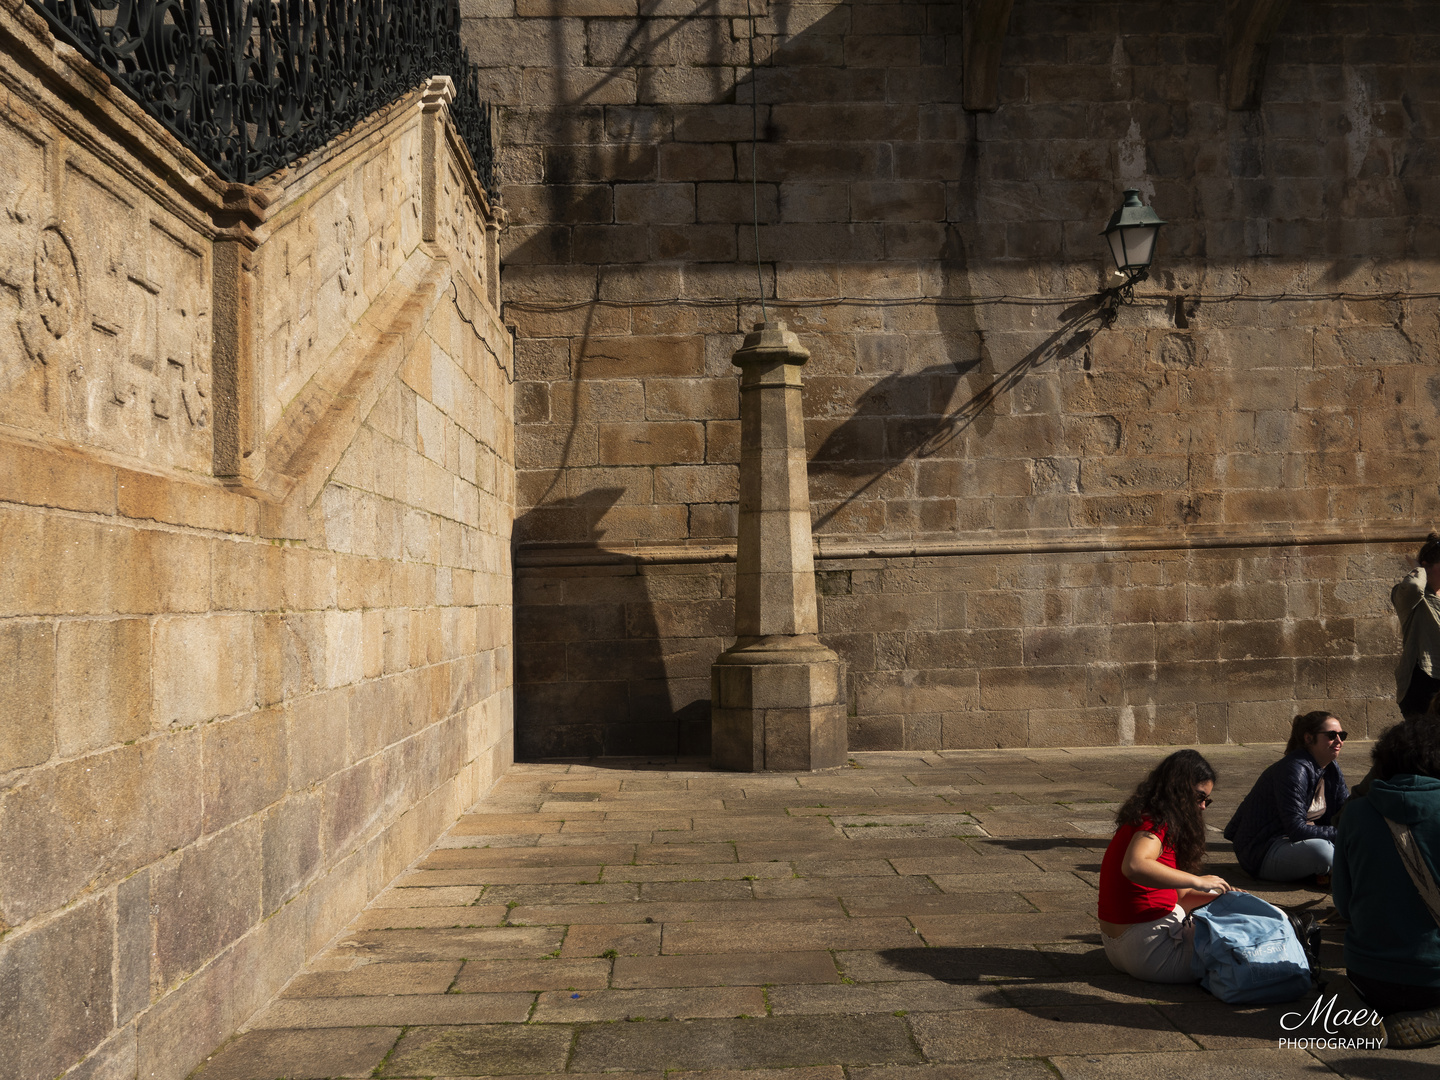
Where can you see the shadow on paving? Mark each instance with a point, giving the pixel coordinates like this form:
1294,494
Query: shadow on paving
647,763
1015,967
610,924
1026,845
773,1043
1052,984
1393,1066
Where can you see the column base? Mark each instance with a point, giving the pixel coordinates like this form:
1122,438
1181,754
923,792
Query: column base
778,705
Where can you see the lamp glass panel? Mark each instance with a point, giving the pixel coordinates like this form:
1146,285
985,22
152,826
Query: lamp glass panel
1139,245
1116,240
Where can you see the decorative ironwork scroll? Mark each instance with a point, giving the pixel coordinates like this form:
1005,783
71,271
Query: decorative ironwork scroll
251,85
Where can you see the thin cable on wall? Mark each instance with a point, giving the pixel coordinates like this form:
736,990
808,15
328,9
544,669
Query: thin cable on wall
972,301
476,331
754,171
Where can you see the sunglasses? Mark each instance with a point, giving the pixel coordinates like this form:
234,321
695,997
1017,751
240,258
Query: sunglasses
1332,736
1204,800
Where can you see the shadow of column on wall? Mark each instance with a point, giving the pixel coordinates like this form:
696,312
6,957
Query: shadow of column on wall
606,661
595,671
599,670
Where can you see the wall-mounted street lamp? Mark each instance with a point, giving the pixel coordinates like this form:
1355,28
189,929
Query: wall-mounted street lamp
1131,235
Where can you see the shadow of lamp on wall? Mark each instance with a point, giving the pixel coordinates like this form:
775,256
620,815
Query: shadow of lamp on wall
1131,235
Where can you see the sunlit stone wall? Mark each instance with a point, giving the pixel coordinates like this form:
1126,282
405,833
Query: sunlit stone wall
256,494
1032,530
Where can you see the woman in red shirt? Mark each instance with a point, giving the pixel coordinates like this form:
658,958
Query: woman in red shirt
1148,880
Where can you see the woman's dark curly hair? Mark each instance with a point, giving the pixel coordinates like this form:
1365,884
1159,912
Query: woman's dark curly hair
1306,724
1411,748
1166,798
1430,550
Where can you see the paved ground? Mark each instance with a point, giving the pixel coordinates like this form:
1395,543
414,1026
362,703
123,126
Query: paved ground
912,917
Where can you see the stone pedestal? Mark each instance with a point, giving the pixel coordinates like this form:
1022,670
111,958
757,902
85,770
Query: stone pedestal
778,694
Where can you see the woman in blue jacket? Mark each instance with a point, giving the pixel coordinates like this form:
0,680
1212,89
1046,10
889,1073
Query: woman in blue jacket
1284,830
1392,945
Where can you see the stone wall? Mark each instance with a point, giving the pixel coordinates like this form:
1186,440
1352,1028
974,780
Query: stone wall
256,494
989,649
1272,385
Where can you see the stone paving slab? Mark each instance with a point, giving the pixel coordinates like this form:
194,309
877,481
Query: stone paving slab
894,998
936,903
1225,1065
977,929
396,1010
481,1050
611,939
1383,1064
301,1055
591,892
698,871
1033,878
1011,1069
774,1042
688,850
566,1007
456,858
1042,1032
452,944
784,936
827,885
733,970
498,976
701,890
816,1072
458,896
395,978
659,911
427,917
502,875
914,917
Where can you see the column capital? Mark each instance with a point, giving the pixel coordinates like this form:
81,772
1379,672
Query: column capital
770,342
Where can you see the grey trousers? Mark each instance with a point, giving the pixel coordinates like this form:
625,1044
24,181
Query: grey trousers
1159,951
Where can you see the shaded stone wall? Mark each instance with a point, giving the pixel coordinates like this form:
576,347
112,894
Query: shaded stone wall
256,493
1102,648
1272,384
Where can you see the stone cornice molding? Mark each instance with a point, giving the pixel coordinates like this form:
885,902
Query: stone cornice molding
56,79
1040,542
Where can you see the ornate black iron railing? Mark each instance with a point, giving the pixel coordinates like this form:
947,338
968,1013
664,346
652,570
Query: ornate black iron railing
251,85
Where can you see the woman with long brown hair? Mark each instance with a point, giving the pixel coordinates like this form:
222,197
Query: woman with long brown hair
1285,828
1149,879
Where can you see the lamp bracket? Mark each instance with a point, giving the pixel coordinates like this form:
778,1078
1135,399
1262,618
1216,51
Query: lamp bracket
1124,293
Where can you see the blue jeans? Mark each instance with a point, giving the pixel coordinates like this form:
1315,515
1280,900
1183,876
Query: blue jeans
1290,860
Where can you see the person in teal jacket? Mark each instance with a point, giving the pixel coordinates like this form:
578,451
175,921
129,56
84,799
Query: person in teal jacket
1392,945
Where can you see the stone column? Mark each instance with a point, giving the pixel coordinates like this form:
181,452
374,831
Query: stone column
778,694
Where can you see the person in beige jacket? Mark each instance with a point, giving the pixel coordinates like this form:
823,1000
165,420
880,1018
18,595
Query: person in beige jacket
1416,601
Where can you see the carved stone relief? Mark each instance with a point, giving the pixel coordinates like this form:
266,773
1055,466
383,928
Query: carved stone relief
51,304
153,345
105,305
461,223
345,237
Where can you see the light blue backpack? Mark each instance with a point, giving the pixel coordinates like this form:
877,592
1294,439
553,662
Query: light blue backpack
1246,952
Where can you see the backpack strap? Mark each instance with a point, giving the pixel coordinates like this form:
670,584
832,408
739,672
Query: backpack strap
1415,867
